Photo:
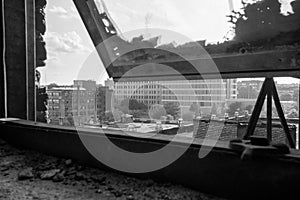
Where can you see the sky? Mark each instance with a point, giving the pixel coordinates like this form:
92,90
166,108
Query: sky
70,49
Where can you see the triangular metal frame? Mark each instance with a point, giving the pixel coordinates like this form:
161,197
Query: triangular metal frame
268,90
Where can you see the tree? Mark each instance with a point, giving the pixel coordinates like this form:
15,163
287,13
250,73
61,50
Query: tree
113,116
293,114
214,109
52,85
236,106
172,108
286,97
296,95
249,108
195,108
128,105
157,111
135,105
70,120
124,106
187,116
108,116
247,92
139,113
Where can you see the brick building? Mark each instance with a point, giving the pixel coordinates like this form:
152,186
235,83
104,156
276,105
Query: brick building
66,104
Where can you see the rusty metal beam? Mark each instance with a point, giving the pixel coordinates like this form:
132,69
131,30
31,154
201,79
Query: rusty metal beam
262,64
272,63
90,16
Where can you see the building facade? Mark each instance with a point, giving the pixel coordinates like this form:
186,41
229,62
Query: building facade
77,102
110,84
206,93
104,100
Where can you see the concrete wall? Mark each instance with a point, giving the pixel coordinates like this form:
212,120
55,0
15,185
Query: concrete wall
222,172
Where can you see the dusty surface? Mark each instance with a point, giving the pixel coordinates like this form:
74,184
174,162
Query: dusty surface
30,175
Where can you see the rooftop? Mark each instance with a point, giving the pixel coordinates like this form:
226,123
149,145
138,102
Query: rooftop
66,88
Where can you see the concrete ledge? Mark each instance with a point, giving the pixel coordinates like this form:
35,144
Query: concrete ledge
222,172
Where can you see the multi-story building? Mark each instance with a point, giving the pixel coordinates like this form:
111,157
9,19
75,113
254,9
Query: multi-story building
147,92
110,84
104,100
256,84
89,85
206,93
77,102
231,88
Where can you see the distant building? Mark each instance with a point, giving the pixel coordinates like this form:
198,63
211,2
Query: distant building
206,93
255,84
110,84
291,90
103,100
249,89
87,84
147,92
231,88
70,103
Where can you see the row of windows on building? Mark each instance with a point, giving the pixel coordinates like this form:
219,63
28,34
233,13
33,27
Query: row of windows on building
74,113
167,92
176,81
177,86
71,93
53,107
188,104
174,96
57,101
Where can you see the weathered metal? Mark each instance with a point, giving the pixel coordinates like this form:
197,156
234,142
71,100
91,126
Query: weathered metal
260,64
271,61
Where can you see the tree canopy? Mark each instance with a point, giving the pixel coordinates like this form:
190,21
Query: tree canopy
172,108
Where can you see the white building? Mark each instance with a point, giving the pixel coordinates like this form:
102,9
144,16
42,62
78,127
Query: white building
206,94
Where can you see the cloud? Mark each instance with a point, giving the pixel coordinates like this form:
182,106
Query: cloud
64,43
63,13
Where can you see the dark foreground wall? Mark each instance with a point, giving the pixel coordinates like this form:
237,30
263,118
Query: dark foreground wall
221,173
20,69
15,57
